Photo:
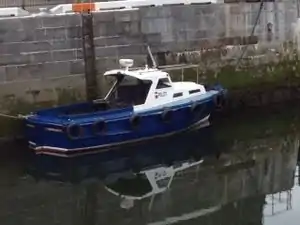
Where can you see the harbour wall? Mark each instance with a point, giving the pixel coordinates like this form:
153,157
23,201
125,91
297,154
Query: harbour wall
41,58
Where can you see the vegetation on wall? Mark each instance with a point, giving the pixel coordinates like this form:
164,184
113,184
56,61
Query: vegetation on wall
278,68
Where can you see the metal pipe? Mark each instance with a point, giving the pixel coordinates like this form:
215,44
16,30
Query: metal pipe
298,8
151,56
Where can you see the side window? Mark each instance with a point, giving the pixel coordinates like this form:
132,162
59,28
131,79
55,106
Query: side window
163,83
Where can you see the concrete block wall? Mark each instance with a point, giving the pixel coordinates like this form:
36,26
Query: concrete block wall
40,54
44,53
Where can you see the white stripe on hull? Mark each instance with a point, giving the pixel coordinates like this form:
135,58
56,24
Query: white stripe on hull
63,151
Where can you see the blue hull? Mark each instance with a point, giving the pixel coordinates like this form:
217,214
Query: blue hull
167,151
47,131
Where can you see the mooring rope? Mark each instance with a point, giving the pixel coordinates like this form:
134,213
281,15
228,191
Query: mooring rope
16,117
252,32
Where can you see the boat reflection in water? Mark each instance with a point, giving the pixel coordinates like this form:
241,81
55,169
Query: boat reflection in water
188,148
178,180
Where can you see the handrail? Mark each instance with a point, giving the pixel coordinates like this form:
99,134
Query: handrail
99,6
123,4
13,11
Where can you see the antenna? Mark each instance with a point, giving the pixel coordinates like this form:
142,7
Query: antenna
151,56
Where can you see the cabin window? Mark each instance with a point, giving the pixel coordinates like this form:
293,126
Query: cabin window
194,91
179,94
129,91
163,83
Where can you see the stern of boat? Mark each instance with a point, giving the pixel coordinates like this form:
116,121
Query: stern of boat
219,95
42,135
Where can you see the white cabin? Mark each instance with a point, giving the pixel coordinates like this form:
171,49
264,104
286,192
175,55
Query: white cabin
149,88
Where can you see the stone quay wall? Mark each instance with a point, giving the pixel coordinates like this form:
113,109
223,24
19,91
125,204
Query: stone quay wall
41,57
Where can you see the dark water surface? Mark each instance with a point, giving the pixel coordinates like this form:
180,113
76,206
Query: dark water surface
238,171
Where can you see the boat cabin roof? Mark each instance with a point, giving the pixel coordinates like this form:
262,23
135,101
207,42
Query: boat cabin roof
142,74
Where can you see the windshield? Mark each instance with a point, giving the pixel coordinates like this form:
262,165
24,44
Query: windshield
129,91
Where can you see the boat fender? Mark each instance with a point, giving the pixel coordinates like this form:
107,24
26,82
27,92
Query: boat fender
135,121
219,101
166,115
74,131
195,108
99,127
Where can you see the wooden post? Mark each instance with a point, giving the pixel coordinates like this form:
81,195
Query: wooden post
89,56
197,75
298,173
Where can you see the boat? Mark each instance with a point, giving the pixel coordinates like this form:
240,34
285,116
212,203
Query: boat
103,165
142,104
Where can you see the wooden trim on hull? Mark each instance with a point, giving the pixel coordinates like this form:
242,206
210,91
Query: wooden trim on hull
63,152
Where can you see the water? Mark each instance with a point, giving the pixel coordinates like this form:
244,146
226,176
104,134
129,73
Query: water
238,171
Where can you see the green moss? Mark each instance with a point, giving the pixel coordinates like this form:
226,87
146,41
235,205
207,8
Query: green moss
67,96
10,127
13,106
285,72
